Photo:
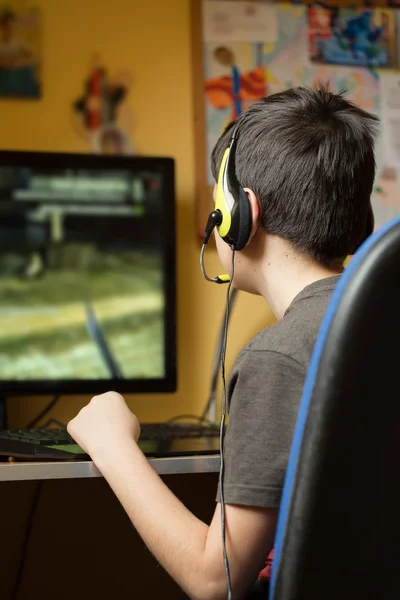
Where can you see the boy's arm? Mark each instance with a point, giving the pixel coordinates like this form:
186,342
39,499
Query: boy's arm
187,548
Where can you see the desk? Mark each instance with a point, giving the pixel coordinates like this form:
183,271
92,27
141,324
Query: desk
28,471
78,515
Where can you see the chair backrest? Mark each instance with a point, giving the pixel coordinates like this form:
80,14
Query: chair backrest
338,533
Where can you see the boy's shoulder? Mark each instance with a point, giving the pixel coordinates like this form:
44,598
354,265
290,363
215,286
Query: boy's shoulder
295,334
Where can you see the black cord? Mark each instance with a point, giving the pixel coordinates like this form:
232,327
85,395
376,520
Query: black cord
44,412
222,430
59,424
26,539
217,356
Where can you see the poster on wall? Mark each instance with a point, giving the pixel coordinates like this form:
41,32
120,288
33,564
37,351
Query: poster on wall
233,83
101,114
354,37
20,52
237,73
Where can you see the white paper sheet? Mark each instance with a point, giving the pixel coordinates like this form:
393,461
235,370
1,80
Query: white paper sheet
227,21
390,114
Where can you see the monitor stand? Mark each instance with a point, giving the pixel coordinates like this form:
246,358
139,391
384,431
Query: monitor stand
3,413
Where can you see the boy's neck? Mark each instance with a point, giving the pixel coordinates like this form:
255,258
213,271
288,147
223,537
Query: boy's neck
285,273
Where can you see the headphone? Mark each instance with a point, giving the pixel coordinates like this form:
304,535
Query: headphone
232,214
231,201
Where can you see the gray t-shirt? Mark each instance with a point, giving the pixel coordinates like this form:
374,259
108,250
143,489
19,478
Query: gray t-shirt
264,392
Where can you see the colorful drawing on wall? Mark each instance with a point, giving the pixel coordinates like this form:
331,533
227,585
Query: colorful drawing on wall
353,37
101,115
20,50
286,64
232,86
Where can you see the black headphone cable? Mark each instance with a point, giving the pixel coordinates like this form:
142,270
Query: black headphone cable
222,429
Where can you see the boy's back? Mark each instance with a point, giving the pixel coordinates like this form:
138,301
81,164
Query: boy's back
264,390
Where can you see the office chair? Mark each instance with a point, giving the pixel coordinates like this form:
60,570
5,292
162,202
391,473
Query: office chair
338,535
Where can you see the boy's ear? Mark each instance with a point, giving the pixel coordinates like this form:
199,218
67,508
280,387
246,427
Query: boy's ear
255,207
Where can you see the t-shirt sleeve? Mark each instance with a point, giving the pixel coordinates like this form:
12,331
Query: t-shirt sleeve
264,392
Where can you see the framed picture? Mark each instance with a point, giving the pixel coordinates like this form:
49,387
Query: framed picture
20,53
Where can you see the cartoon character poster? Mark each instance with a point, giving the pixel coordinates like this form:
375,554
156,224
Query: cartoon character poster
354,37
20,51
101,115
234,86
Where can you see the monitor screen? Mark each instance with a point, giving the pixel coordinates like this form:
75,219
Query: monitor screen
87,273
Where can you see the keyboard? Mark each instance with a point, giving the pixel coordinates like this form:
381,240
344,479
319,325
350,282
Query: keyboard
156,440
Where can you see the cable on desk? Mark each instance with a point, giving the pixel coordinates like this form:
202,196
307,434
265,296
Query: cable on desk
26,539
44,412
197,418
59,424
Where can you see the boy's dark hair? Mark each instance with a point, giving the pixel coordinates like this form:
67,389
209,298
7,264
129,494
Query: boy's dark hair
308,155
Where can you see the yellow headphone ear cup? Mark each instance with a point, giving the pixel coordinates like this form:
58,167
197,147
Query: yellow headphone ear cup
223,202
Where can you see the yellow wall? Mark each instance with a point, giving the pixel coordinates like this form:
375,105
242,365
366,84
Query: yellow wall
152,39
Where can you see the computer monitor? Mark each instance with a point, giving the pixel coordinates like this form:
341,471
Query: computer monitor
87,274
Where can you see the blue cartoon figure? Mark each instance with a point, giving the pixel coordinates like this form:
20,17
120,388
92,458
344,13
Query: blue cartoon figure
357,39
361,36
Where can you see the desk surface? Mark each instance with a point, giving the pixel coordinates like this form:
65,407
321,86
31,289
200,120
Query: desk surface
26,471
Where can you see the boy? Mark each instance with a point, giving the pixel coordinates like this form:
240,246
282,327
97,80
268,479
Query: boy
305,158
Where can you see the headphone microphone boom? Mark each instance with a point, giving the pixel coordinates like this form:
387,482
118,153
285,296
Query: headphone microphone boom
214,220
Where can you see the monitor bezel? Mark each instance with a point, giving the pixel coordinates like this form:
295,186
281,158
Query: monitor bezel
168,383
